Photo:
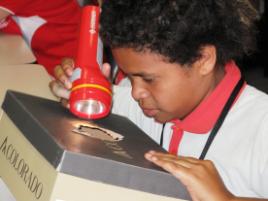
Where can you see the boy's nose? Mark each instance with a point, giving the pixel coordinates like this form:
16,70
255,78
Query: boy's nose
139,91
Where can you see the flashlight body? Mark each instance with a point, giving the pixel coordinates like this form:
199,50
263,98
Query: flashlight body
91,94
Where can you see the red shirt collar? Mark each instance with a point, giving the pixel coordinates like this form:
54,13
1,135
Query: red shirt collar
203,118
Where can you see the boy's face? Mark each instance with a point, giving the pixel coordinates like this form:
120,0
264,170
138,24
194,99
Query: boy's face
165,91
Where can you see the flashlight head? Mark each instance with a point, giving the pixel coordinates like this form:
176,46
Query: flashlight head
91,100
90,106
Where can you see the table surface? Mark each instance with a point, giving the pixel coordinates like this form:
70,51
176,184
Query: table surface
27,78
14,50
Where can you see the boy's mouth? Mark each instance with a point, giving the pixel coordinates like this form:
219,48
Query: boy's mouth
149,112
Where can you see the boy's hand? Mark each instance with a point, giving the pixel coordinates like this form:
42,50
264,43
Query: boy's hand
64,71
199,176
61,86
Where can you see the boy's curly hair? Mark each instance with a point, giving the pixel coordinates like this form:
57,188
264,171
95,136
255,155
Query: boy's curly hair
178,29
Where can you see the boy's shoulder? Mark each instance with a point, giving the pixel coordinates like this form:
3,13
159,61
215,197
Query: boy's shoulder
253,99
253,93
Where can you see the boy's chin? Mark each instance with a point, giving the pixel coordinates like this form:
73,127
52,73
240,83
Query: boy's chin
162,120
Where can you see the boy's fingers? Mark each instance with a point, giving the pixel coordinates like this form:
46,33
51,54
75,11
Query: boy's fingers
172,157
67,62
59,90
65,103
167,162
67,66
58,72
62,77
106,70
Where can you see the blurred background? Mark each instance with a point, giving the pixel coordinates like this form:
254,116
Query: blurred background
255,67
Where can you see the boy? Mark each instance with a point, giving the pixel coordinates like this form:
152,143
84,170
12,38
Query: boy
187,92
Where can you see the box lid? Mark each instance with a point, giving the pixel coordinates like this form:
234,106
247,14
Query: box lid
90,149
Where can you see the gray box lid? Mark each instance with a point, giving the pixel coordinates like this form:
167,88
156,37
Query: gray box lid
49,128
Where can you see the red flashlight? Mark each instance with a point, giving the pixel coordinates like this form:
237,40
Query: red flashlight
91,92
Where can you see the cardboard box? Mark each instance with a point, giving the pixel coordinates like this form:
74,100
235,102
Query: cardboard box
48,154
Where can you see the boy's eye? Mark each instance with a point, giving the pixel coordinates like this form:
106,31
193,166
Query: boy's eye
148,79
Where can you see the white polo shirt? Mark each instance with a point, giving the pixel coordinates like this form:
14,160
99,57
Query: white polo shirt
240,148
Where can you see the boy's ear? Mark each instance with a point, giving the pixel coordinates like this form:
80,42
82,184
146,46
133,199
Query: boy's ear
207,61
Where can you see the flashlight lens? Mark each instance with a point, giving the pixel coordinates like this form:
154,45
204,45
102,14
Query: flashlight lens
90,107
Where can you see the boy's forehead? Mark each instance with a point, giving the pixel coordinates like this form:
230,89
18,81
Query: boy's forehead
142,63
135,62
143,57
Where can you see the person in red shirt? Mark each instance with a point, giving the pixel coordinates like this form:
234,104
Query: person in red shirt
50,29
